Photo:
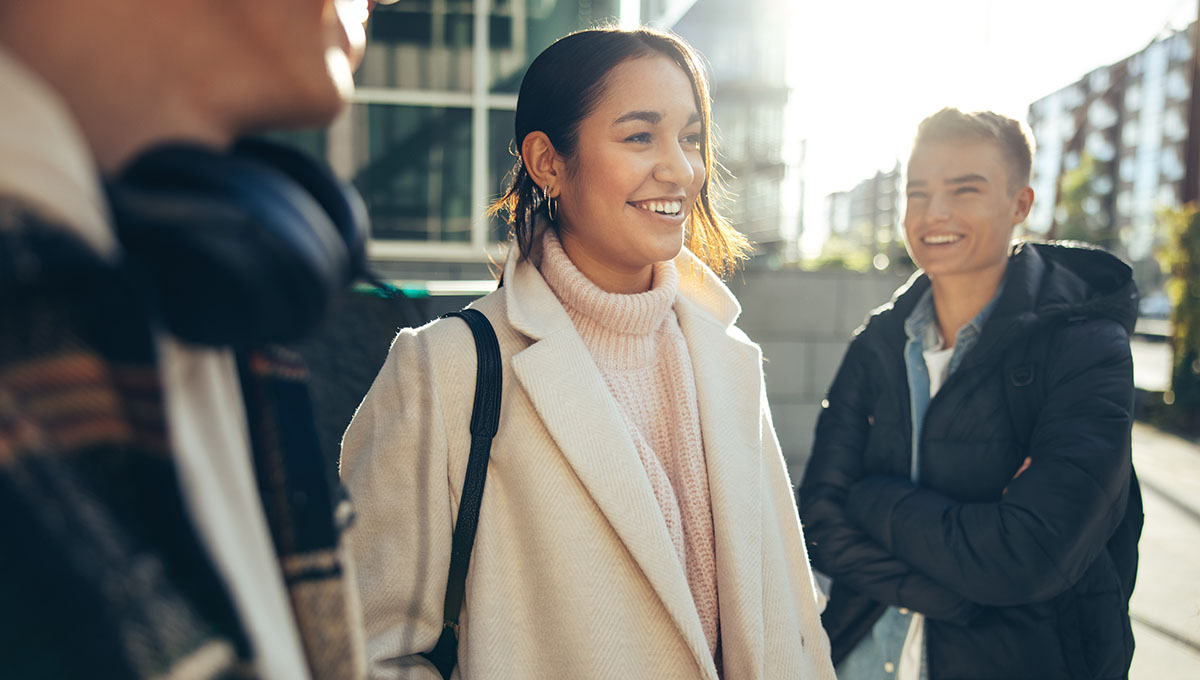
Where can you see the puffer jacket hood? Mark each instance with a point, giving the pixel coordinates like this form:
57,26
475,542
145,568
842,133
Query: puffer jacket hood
1078,279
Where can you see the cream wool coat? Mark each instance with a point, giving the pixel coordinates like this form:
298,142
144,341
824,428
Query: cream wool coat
573,574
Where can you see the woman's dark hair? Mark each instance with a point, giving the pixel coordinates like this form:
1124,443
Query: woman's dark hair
564,84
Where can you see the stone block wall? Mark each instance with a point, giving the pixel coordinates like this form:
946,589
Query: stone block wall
803,321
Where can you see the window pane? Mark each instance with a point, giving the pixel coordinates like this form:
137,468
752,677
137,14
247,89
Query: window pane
420,45
520,29
501,156
413,167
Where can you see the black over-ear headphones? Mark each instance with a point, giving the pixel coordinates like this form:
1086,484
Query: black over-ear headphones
239,247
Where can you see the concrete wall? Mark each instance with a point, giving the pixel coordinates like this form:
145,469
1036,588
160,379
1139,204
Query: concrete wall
804,320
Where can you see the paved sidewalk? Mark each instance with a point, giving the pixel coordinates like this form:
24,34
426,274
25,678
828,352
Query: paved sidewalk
1166,600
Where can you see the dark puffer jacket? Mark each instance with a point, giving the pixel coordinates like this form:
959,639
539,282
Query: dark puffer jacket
1024,578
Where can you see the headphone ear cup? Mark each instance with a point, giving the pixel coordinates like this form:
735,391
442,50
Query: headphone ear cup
237,251
342,203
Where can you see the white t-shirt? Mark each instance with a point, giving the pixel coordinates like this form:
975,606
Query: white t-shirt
937,362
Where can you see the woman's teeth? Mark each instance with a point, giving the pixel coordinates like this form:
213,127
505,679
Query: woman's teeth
939,239
662,207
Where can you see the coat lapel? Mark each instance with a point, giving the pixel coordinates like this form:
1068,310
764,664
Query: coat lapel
728,371
571,398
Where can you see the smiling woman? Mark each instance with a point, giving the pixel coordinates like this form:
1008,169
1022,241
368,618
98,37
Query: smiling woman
630,110
637,520
625,194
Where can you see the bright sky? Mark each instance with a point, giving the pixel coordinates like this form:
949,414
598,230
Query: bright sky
866,72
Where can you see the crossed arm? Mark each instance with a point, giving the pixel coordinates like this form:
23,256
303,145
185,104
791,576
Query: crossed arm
907,545
838,546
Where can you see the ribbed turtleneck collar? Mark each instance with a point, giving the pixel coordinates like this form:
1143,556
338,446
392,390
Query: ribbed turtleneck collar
618,328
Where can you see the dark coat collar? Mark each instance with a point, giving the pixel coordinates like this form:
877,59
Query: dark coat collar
1044,283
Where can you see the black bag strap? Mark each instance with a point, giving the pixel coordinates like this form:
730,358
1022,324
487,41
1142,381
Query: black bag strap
485,419
1024,381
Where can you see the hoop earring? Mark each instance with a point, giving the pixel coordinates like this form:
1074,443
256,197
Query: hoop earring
551,205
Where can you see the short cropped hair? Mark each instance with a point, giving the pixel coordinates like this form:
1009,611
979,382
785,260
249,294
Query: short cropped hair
952,125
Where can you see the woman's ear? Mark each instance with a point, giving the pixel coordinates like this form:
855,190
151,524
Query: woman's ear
542,161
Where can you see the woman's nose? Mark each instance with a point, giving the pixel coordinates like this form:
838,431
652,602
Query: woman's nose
675,167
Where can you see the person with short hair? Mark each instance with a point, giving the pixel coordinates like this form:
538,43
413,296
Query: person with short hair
167,511
970,490
637,520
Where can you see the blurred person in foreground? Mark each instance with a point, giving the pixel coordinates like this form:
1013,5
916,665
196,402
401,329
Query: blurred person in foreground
970,490
167,512
637,520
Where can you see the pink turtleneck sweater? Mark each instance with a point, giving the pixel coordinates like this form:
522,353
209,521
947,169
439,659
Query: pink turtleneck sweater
640,350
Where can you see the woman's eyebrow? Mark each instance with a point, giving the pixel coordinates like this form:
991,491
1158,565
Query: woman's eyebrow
651,117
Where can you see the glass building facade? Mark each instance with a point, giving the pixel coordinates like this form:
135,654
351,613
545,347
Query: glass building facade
1130,119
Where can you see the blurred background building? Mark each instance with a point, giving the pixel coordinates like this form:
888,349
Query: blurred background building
1111,154
746,45
868,216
